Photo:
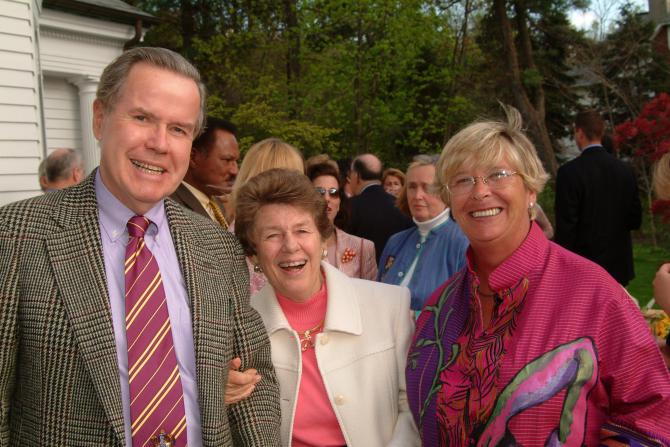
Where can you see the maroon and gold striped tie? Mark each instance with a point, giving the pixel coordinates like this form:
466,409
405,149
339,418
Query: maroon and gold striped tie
156,395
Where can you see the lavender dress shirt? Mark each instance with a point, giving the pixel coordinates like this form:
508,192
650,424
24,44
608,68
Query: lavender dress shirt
113,219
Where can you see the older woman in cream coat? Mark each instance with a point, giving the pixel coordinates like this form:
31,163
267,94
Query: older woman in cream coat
339,344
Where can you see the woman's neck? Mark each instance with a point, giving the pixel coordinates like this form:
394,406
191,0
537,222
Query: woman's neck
427,225
332,240
488,256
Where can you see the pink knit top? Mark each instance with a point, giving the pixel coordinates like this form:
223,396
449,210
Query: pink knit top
315,422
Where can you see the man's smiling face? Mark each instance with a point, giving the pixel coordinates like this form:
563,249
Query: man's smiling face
145,137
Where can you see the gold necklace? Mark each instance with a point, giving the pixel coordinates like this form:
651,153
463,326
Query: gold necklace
306,337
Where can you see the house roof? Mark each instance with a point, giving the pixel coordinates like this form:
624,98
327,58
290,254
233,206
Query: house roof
114,10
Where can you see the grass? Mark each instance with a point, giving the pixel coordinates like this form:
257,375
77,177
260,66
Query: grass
647,260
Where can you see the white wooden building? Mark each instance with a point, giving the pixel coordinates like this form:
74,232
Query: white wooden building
52,53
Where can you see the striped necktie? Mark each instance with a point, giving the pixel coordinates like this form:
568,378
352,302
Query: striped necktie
156,396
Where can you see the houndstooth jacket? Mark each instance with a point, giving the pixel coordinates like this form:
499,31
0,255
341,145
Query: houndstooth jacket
59,378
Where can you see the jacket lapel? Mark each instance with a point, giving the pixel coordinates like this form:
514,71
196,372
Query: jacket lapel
75,254
193,259
189,200
343,313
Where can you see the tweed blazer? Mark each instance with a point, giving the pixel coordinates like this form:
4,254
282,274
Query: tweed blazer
59,377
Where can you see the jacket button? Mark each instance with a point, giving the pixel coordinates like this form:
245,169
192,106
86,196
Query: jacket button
418,245
400,274
339,399
324,339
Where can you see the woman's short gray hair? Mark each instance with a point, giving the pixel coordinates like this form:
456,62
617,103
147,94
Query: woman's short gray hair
116,73
486,143
277,187
419,160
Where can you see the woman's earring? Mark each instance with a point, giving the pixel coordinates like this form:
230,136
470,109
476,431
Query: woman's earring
324,255
257,266
532,211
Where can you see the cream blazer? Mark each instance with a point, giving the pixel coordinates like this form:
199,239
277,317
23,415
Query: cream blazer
361,355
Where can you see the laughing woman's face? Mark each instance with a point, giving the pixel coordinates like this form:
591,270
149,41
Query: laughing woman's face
289,250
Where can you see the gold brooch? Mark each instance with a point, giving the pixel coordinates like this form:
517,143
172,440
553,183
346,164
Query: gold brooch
348,255
389,263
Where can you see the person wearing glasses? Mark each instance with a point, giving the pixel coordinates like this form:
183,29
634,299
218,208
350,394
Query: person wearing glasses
529,343
426,255
351,254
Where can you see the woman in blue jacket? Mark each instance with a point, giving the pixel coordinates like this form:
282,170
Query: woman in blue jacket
425,256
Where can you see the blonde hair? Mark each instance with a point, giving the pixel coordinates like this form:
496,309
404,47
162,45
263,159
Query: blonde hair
662,177
267,154
320,159
393,172
486,143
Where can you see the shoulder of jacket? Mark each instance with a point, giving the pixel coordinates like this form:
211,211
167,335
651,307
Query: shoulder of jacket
378,290
30,215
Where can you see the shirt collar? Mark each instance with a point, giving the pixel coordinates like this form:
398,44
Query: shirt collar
428,225
114,215
201,196
520,263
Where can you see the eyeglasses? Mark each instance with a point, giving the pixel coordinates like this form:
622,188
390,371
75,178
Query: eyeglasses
331,191
463,184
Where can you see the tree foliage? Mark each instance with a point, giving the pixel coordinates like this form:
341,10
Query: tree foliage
623,71
646,138
393,78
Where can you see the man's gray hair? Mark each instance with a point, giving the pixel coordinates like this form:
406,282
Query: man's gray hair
115,74
60,164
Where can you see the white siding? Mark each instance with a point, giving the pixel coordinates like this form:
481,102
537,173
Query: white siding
20,132
61,114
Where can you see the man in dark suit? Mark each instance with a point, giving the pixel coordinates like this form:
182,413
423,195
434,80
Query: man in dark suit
374,215
70,374
597,202
211,171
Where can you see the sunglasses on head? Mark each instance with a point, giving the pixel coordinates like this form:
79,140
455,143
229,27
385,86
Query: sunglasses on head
330,191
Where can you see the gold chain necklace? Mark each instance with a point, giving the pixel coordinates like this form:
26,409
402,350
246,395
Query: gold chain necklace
306,337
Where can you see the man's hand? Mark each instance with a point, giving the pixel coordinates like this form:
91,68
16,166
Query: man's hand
240,383
662,287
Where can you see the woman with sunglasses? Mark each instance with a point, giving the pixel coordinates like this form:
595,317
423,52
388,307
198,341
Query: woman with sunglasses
350,254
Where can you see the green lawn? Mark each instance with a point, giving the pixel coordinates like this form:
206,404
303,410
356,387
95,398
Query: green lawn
647,261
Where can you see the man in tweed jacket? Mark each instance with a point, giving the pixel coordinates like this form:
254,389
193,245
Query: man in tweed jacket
60,379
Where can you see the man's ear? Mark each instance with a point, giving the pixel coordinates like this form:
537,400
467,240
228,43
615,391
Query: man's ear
195,158
98,116
77,175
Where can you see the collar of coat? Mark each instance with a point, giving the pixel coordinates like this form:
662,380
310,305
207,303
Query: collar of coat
343,313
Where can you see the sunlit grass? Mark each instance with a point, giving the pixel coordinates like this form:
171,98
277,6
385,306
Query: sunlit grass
647,260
